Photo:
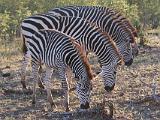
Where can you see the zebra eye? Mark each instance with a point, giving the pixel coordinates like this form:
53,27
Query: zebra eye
115,72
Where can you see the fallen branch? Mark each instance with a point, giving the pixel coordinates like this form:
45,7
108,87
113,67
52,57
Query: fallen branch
155,98
29,91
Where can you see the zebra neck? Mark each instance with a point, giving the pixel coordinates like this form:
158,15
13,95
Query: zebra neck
74,61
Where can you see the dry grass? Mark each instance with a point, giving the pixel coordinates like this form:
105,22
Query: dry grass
128,90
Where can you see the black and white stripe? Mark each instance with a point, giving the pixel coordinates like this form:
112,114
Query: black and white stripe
86,34
107,19
114,13
56,50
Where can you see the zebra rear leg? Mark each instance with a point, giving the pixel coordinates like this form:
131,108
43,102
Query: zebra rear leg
66,95
48,86
64,84
23,70
35,78
40,83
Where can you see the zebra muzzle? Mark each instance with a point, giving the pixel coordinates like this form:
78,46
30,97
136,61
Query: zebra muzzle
109,88
85,106
128,63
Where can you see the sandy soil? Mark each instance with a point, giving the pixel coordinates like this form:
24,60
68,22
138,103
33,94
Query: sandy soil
132,86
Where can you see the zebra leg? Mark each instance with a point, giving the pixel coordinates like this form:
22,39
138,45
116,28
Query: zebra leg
35,78
23,69
48,86
40,84
64,84
69,77
66,91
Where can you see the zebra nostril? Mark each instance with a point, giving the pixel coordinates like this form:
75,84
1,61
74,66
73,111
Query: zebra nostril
86,106
109,88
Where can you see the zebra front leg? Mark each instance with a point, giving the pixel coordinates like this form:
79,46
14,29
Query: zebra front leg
69,78
66,95
65,87
35,78
23,69
48,86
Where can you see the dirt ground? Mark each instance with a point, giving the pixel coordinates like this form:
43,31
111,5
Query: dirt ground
133,85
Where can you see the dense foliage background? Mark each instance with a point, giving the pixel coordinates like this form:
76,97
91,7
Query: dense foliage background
144,13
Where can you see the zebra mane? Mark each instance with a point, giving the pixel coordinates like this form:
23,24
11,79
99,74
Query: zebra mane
81,52
24,47
111,41
130,32
115,48
133,29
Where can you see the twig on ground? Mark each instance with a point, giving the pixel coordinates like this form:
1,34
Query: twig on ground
29,91
152,98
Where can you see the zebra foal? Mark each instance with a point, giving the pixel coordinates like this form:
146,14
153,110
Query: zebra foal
57,50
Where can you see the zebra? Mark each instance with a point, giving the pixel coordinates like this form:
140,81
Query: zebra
105,18
57,50
116,14
85,34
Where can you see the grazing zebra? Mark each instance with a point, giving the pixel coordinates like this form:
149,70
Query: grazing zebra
107,19
85,34
115,14
57,50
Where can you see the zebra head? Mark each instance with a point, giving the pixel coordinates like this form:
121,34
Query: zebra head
108,75
84,76
83,91
84,86
126,51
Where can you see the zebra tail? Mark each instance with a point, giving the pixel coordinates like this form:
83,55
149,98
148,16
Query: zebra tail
24,47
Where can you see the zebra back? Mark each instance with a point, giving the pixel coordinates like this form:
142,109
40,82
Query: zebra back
114,27
71,11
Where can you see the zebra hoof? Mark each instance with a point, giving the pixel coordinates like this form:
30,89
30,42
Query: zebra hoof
41,85
109,88
23,85
86,106
53,105
67,109
128,63
33,102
